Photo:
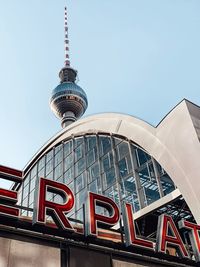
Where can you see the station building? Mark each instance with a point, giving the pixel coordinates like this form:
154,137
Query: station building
154,169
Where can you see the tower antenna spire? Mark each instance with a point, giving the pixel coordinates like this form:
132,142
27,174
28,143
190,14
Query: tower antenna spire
66,40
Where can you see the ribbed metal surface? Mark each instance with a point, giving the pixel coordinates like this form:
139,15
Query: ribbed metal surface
60,106
68,96
69,87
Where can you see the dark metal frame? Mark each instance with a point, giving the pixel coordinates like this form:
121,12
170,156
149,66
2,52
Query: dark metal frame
23,230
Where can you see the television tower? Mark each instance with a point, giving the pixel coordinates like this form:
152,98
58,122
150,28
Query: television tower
68,101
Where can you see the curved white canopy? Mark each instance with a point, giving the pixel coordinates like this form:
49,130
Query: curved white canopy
174,143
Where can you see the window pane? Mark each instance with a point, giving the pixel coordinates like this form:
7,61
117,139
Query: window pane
71,186
49,176
41,173
129,192
93,172
32,184
49,166
26,190
80,182
80,199
149,185
105,144
151,193
151,171
79,167
60,179
58,171
112,192
167,184
79,215
58,157
117,141
25,202
93,187
34,171
49,155
129,185
107,161
110,177
144,175
31,199
141,156
68,161
41,163
122,150
79,152
58,148
90,142
123,167
26,180
67,148
78,141
91,156
69,175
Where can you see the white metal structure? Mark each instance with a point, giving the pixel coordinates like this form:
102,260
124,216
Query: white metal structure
174,143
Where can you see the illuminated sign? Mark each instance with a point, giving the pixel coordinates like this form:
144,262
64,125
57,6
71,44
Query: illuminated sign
167,231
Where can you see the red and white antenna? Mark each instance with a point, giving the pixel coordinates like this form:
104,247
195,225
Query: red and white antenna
67,61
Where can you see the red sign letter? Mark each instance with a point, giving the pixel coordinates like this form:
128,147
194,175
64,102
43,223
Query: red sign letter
129,227
92,218
166,225
193,235
9,196
10,174
57,211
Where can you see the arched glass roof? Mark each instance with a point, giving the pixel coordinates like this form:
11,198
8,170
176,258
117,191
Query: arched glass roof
101,163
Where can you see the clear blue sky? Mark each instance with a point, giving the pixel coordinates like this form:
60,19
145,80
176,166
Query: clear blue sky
139,57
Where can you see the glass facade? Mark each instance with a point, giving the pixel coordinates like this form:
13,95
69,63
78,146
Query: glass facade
104,164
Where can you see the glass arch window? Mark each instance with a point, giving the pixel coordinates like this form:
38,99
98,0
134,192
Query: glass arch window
101,163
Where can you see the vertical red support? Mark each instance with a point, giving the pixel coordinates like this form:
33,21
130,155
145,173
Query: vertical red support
164,238
194,231
130,231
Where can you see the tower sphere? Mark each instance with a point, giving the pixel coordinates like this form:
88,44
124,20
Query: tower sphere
68,100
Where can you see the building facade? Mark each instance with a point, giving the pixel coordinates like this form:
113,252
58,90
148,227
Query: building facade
122,161
107,154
